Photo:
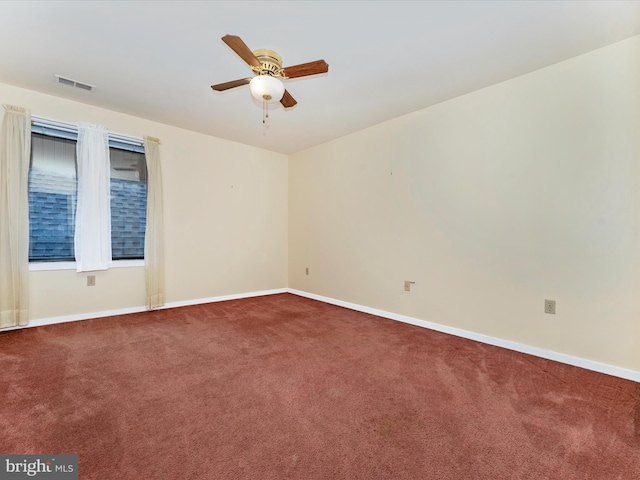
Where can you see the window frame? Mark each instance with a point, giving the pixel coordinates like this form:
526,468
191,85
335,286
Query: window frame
60,129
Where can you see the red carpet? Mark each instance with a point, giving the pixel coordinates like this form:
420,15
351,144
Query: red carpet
283,387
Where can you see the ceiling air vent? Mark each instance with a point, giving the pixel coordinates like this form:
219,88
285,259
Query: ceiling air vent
74,83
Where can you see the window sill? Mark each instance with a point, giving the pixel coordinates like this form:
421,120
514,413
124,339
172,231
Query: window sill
47,266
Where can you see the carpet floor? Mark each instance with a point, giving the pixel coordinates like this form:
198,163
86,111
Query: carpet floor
283,387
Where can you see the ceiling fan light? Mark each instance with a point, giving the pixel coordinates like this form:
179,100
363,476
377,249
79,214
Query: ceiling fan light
267,88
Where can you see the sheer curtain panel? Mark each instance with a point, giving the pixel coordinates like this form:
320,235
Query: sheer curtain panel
15,150
154,239
93,212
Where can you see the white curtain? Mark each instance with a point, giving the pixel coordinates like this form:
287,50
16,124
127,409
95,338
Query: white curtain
93,212
154,239
15,152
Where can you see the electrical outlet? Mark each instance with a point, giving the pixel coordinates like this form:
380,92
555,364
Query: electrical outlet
306,271
91,280
550,307
407,285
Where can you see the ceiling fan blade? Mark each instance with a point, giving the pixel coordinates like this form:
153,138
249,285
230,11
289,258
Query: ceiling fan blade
221,87
304,69
238,46
287,100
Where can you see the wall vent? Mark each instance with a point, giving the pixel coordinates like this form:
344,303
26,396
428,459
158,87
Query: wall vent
74,83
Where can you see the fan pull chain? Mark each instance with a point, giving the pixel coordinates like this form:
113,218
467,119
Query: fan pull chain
265,110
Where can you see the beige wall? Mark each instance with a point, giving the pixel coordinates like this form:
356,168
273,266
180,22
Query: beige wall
225,218
490,202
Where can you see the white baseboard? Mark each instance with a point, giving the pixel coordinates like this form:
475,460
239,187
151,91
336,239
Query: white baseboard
123,311
223,298
40,322
498,342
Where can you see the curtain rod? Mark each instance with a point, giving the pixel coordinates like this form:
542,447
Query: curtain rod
72,127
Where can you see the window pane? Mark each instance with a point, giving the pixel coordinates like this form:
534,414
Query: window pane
128,203
52,198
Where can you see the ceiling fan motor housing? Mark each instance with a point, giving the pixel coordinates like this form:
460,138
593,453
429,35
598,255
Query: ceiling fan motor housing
270,63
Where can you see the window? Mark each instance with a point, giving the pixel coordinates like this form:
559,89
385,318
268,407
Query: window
53,195
128,203
52,198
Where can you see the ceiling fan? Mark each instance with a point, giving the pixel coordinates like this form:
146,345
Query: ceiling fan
267,68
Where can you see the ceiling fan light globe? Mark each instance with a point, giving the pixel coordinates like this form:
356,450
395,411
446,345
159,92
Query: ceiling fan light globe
266,88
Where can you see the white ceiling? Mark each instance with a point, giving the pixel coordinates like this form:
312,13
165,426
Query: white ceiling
157,59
